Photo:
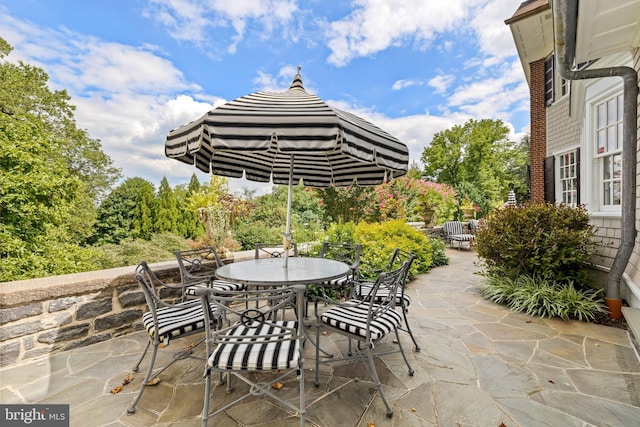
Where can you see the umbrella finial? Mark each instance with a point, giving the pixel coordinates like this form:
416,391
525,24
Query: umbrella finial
297,81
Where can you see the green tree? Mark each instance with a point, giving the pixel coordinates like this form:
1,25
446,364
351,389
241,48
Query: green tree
188,225
46,206
166,209
125,212
477,155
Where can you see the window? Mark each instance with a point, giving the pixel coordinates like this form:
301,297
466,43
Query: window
568,169
608,145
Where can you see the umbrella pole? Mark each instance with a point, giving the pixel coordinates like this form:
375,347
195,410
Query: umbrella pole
287,234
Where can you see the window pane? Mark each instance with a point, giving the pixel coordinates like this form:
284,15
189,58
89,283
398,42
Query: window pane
617,166
601,142
616,193
606,194
611,138
612,113
620,107
602,116
606,168
620,134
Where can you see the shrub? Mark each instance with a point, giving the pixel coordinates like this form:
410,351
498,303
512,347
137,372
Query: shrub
131,251
538,296
551,241
380,239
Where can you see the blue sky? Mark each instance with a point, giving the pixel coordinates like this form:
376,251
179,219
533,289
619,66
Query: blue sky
136,69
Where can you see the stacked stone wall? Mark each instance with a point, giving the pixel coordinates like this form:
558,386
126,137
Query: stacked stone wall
54,314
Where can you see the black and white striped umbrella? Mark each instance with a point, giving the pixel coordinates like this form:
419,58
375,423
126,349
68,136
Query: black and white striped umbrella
286,137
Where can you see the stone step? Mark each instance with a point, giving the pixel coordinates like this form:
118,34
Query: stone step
632,316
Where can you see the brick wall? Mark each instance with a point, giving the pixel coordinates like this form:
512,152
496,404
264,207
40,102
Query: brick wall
538,130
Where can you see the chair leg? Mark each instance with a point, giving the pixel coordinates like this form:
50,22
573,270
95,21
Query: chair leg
406,323
136,368
376,379
317,346
147,378
404,356
207,396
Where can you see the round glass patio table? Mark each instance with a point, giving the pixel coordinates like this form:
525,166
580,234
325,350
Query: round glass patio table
271,271
299,272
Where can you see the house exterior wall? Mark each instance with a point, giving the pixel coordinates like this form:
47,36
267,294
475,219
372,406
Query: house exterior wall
563,130
632,272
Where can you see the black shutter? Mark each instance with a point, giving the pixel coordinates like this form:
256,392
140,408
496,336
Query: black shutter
548,81
549,179
578,176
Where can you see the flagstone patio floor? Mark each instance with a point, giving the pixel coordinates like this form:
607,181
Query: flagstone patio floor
479,365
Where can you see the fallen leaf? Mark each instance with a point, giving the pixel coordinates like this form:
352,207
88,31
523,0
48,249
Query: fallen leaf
116,390
277,386
154,381
127,379
528,320
324,332
502,425
597,345
371,425
551,381
413,409
395,341
162,345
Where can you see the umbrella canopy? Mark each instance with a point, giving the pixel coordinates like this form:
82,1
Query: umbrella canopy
286,137
260,135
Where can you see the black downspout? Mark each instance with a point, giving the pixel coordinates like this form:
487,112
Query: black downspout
565,16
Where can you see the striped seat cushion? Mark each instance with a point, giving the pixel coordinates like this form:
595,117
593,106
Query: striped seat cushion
219,286
223,285
462,237
249,352
352,318
174,321
340,282
401,299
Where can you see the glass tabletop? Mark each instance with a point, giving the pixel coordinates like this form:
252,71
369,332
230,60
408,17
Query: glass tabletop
299,271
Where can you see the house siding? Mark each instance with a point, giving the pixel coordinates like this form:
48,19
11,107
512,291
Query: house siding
563,130
633,268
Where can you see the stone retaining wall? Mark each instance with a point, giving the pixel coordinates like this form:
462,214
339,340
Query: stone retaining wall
58,313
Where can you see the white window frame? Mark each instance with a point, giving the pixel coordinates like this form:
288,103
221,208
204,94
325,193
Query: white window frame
606,149
567,182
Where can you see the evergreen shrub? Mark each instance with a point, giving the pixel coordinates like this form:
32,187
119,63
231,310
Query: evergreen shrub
537,239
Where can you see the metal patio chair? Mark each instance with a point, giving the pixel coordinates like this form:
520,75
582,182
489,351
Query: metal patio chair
453,232
348,253
276,250
367,321
164,321
255,348
363,288
199,265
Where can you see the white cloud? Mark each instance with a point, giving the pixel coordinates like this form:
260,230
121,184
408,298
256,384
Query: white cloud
194,21
376,25
404,83
441,83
